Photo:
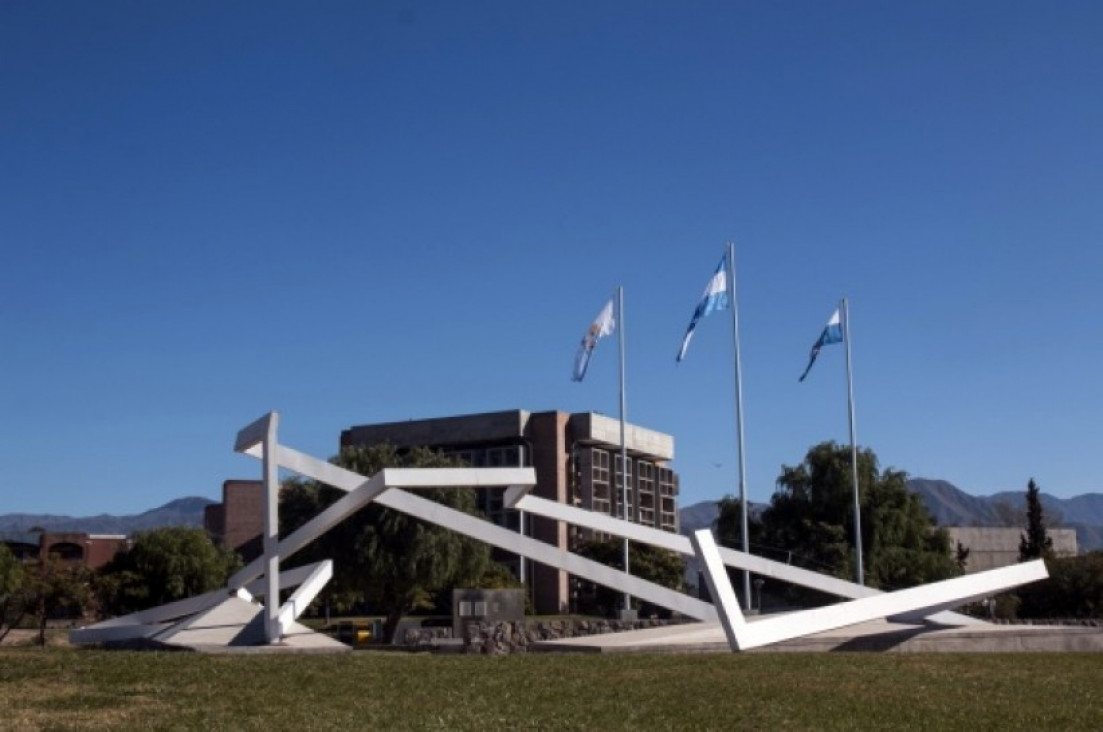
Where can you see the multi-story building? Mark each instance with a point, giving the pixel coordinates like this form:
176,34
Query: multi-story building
577,461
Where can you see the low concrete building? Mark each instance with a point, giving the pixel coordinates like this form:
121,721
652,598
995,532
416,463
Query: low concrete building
998,546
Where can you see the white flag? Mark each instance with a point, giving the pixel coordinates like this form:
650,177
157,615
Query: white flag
603,325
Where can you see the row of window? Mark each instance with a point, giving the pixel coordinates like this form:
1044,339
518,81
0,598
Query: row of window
597,484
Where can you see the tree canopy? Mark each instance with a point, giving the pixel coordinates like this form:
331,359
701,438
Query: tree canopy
645,561
810,522
12,606
1036,542
1074,589
163,565
397,563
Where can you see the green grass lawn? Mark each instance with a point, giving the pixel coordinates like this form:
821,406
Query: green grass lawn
65,688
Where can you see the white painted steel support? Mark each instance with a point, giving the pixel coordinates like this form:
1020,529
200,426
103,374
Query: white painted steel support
934,596
721,592
273,629
518,497
308,589
385,488
259,440
147,623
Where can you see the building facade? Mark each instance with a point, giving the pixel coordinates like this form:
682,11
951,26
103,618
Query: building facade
577,461
238,522
75,547
997,546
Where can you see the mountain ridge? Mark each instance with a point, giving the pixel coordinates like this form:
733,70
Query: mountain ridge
951,506
187,511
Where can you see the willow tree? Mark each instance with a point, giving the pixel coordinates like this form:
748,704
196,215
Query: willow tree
161,566
395,562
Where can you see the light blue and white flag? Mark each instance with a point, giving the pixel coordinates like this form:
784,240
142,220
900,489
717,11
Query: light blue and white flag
832,333
603,325
714,298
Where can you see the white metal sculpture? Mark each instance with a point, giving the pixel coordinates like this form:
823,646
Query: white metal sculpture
175,622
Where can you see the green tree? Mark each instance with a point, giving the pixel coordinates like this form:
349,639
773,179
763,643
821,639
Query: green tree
161,566
811,519
729,519
1074,589
645,561
12,605
1036,542
397,563
53,588
961,555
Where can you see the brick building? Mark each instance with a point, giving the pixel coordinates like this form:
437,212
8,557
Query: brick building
91,550
238,522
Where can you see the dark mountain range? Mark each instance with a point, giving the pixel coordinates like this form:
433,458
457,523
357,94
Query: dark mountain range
181,512
952,506
1086,509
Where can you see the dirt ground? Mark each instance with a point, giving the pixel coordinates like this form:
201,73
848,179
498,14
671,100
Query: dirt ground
25,637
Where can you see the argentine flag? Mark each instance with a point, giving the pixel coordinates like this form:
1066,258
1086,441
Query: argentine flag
603,325
714,298
832,333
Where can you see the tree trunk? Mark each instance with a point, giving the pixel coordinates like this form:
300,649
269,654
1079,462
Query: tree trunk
42,627
390,624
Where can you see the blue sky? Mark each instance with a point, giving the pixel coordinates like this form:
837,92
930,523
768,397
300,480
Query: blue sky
360,212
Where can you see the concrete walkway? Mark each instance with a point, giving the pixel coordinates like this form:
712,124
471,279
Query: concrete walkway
237,626
878,636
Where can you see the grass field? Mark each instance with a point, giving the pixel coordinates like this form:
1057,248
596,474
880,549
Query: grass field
65,688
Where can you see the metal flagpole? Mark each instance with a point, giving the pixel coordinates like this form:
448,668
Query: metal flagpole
853,444
521,518
732,295
623,441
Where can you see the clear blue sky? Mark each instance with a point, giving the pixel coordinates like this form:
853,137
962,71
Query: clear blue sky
359,212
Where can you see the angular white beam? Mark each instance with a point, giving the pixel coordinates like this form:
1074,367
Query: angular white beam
288,578
519,498
160,614
100,633
147,623
254,433
546,553
516,498
947,593
393,497
362,491
315,527
929,597
273,630
260,441
308,590
722,593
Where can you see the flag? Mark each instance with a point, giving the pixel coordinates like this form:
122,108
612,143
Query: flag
715,297
832,333
602,326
